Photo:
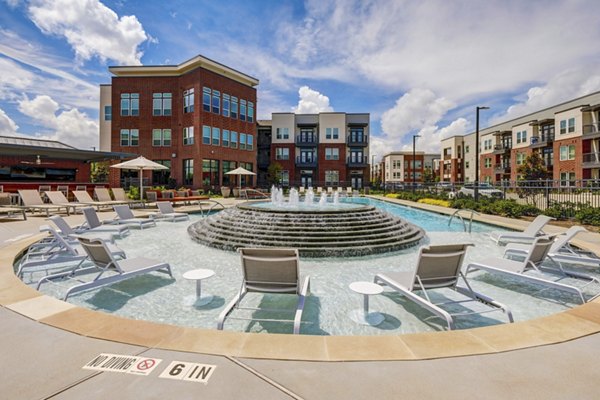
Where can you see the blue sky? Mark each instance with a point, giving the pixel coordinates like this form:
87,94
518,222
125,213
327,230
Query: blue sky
415,66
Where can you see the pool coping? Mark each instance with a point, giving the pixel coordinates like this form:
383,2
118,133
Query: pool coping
569,325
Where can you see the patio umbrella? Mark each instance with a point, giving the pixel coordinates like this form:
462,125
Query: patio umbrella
141,164
240,171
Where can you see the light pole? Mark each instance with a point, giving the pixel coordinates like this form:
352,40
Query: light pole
413,161
477,150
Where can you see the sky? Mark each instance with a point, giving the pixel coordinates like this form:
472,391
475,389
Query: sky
418,67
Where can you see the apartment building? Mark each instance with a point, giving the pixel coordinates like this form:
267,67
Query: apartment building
326,149
197,118
566,136
398,167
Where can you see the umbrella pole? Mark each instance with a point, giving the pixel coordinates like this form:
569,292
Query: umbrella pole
141,186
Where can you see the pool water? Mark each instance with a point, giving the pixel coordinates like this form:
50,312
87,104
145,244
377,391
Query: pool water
156,297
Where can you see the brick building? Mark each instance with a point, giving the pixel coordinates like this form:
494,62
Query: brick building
327,149
399,168
197,118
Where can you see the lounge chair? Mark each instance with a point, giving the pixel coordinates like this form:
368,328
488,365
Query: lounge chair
527,236
269,271
58,251
103,195
71,233
531,260
93,222
329,190
58,199
109,268
166,212
319,190
438,267
125,216
83,197
120,195
349,190
10,211
33,201
301,190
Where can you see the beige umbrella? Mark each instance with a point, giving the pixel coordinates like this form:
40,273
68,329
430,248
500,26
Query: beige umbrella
141,164
240,171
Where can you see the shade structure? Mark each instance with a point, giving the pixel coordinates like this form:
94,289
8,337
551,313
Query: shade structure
240,171
141,164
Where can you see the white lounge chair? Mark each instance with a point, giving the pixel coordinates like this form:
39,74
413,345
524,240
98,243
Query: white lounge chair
439,267
109,268
33,201
166,212
93,222
83,197
125,216
527,236
120,195
269,271
58,199
531,260
71,233
103,195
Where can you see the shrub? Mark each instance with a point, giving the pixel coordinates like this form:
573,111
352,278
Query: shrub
435,202
588,215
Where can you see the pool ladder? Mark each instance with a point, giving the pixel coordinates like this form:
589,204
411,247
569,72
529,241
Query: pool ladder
457,214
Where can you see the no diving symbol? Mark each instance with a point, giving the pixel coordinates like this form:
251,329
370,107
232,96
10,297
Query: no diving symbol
146,364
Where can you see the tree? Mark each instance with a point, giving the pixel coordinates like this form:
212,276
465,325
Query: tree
428,176
274,173
99,172
532,175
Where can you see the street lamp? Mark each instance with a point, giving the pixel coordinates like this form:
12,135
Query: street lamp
413,161
476,187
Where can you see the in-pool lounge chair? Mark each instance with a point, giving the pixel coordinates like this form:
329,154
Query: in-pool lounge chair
120,195
439,267
83,197
93,222
527,236
274,271
58,199
167,213
33,201
70,233
532,261
107,268
125,216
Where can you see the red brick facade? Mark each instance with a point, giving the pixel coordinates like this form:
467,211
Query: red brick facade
572,166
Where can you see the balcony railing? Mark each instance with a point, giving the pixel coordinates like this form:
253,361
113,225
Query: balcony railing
357,161
502,169
591,160
307,140
541,141
307,162
359,141
591,129
501,148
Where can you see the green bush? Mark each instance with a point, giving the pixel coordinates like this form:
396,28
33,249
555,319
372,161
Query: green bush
588,215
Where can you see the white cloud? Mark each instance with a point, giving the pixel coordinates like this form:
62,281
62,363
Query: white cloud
311,102
13,3
91,28
7,125
68,126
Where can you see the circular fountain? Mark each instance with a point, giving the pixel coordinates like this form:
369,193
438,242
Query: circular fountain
320,228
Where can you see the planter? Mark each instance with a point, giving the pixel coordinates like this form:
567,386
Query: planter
225,191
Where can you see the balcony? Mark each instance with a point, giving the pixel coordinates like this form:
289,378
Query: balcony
501,148
591,131
306,162
591,160
502,169
307,140
357,141
541,141
447,156
357,162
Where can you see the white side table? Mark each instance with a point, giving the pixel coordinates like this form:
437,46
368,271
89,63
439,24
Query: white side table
199,275
364,317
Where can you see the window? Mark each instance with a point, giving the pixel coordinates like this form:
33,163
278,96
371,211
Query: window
234,107
283,133
216,102
282,153
161,104
285,178
242,110
130,137
206,99
225,106
567,152
563,126
487,162
333,154
242,141
228,166
161,137
216,136
249,142
206,134
234,143
466,164
225,140
332,178
521,158
571,123
188,171
130,104
107,113
522,137
188,100
567,179
188,135
250,111
466,149
331,133
210,172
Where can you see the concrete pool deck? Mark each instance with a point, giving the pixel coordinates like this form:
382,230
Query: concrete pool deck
46,342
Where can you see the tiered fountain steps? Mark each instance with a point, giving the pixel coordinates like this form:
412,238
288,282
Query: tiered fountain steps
326,232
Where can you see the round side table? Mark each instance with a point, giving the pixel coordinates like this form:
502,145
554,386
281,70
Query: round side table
364,317
199,275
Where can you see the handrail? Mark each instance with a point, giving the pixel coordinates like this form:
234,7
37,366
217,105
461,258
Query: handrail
215,204
457,213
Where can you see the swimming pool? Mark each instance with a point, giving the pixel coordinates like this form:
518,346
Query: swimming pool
157,298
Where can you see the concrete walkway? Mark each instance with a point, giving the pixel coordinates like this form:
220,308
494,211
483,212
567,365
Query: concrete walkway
41,361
